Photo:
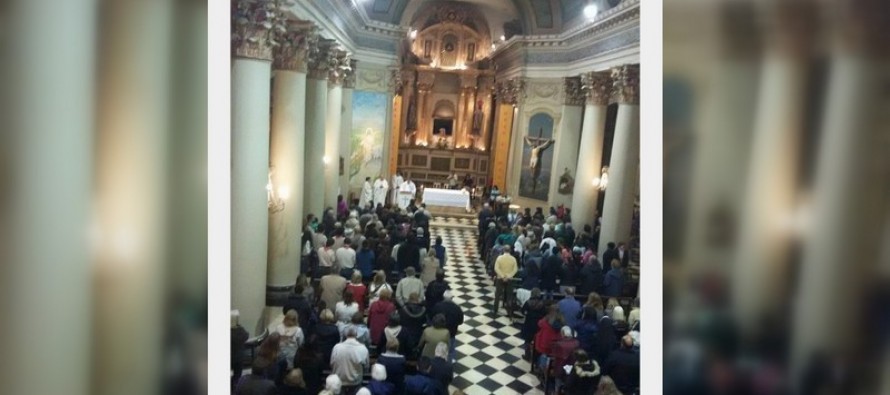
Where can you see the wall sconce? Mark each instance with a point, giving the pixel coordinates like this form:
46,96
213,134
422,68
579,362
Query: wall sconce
325,160
276,197
602,181
590,11
412,33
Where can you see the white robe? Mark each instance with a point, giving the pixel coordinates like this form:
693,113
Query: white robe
406,192
397,182
367,194
381,187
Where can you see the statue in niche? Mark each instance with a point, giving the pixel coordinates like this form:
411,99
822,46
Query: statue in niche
538,146
566,183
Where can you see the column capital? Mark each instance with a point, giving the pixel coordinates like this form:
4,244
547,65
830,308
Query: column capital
596,87
790,26
340,68
626,84
396,84
573,92
425,80
467,81
321,58
860,26
486,85
294,45
511,91
254,26
349,79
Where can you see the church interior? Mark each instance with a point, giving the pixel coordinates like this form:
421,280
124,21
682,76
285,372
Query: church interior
435,197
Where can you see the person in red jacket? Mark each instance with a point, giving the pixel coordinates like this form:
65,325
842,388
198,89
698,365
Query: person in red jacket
561,354
378,315
547,331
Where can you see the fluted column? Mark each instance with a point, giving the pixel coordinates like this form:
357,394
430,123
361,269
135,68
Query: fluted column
47,148
332,128
771,197
625,158
840,260
596,88
424,112
316,113
251,74
287,156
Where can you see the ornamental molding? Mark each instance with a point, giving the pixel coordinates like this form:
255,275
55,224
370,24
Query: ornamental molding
322,57
295,45
349,79
396,84
511,91
425,80
340,67
597,87
626,84
256,25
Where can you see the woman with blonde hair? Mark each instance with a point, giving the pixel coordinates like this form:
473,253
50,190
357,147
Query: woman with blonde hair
377,286
607,387
291,336
293,384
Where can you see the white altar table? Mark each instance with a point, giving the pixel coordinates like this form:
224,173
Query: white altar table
447,197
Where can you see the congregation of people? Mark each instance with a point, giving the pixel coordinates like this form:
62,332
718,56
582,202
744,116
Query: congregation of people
541,268
372,313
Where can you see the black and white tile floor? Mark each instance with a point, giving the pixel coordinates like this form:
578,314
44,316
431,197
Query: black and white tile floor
489,349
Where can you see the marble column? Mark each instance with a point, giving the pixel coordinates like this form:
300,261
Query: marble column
619,201
484,94
840,260
723,140
771,196
516,96
332,129
596,88
316,113
251,75
47,147
568,136
287,156
131,181
346,130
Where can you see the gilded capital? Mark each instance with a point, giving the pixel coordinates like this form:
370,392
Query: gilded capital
597,87
425,80
294,46
626,84
573,92
255,24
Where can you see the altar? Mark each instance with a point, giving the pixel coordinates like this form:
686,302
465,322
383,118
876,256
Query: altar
447,198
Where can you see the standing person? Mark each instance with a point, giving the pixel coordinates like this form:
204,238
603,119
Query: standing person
430,267
407,286
570,307
332,287
441,253
367,194
293,383
454,317
397,181
433,335
407,191
441,368
342,208
377,286
435,290
346,308
584,375
349,360
364,260
346,259
394,362
359,291
327,257
623,366
291,336
534,309
378,315
381,187
505,268
239,337
551,271
610,254
613,284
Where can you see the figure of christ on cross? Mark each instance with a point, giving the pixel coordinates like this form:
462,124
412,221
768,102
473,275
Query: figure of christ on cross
538,145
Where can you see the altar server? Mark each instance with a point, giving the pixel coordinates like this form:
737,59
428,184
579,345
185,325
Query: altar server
381,187
397,182
367,194
407,192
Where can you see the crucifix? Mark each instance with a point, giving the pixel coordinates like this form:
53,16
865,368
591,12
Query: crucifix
538,145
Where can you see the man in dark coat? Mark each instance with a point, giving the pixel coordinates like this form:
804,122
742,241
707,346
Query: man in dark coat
454,317
297,301
623,366
610,254
550,271
409,255
590,278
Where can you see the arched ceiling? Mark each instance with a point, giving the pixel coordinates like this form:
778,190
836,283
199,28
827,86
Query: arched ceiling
535,16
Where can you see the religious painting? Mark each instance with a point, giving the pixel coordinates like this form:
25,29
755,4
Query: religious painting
368,125
537,158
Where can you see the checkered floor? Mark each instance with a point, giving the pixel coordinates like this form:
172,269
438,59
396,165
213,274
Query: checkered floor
489,349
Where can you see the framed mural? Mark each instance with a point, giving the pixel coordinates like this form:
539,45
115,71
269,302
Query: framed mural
537,158
368,127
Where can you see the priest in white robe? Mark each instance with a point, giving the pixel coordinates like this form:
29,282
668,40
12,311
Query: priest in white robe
367,193
397,182
381,187
406,192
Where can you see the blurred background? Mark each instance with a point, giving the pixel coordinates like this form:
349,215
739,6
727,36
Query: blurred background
103,196
777,212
